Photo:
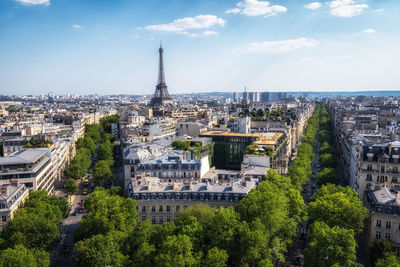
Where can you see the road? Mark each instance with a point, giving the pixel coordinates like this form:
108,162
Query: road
61,256
301,242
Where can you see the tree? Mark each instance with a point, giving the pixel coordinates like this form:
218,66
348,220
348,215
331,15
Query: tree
328,160
86,142
326,148
388,261
270,204
20,256
107,121
36,224
176,251
330,246
105,150
338,206
71,187
101,250
106,213
379,249
327,175
251,246
102,171
216,257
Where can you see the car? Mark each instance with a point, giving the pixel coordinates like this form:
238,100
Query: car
85,191
66,249
314,186
73,213
299,261
86,182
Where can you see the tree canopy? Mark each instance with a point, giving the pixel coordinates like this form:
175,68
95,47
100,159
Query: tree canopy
330,246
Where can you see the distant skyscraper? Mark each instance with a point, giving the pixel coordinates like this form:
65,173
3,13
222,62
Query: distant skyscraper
161,96
235,97
265,96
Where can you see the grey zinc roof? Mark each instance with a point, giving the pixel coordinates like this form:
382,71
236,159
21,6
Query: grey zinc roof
239,186
29,155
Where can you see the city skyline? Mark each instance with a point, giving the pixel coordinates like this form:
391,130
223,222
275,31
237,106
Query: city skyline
56,45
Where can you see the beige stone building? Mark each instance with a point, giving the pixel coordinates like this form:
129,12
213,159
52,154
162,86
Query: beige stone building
12,196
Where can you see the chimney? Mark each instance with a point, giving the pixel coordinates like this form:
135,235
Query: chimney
4,190
175,186
14,182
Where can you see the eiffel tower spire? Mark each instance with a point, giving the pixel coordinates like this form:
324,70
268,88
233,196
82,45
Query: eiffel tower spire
161,95
161,75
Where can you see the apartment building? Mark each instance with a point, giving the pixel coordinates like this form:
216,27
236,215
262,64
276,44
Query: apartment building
378,166
173,167
159,200
12,196
32,167
384,220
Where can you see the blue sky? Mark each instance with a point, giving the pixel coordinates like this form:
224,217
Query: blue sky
110,46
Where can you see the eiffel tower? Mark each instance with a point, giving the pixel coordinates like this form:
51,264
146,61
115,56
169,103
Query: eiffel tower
161,96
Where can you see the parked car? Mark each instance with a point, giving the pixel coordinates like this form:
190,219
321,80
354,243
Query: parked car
85,191
66,249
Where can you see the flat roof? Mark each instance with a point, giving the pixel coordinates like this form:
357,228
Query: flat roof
270,138
26,156
226,133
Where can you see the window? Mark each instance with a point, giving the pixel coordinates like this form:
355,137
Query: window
387,236
153,208
382,169
144,208
160,208
394,179
369,167
378,235
378,223
143,218
153,219
369,177
388,223
177,207
161,220
184,207
168,208
168,219
3,218
395,170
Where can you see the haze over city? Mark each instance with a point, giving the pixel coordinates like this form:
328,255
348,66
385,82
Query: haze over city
104,47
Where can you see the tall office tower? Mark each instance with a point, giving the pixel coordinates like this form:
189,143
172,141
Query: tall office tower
161,96
265,96
235,97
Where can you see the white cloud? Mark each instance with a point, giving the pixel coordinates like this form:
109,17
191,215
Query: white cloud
306,59
281,47
34,2
369,31
233,11
136,36
205,33
210,33
257,8
343,57
76,26
346,8
181,26
379,10
313,5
